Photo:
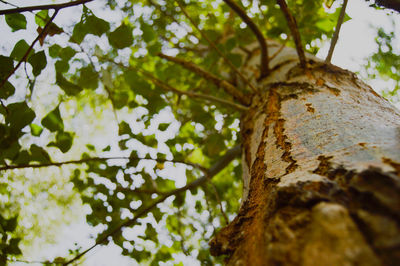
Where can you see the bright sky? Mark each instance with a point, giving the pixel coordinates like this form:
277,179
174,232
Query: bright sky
356,42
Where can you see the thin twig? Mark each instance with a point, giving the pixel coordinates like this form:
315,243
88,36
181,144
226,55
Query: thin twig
336,34
40,35
280,49
167,87
7,3
264,60
226,60
220,203
295,32
43,7
140,191
31,262
213,170
94,159
225,85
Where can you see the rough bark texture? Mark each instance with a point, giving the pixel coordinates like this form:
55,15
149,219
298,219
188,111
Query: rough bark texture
321,161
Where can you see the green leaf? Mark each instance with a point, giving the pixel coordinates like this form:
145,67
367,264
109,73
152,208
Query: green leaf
69,87
36,130
66,53
97,26
38,62
20,48
326,24
154,49
124,128
7,90
138,84
19,115
54,50
163,126
42,17
133,159
151,233
140,255
6,66
16,21
148,32
163,254
179,199
121,37
10,224
13,247
157,214
38,154
79,33
89,25
53,121
61,66
63,141
88,78
148,140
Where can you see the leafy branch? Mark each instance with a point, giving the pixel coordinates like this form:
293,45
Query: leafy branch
167,87
97,159
295,32
43,7
225,85
264,63
336,33
40,35
210,173
214,46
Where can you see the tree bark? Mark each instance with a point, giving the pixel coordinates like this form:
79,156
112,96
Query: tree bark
321,160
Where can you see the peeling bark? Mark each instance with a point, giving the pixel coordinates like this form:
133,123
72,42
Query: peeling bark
321,155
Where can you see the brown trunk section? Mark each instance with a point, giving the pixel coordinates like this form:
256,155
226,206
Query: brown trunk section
324,166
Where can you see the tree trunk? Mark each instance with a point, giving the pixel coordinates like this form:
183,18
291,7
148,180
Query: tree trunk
321,157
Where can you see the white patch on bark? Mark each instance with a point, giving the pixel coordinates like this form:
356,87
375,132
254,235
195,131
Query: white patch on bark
356,127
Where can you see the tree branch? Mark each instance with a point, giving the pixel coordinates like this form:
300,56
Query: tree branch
43,7
215,169
264,60
225,85
94,159
336,34
295,32
167,87
7,3
40,35
212,44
